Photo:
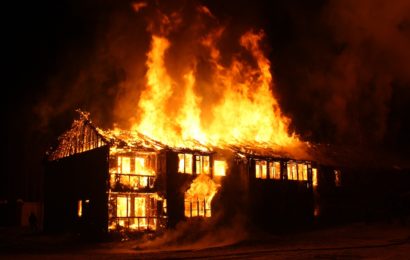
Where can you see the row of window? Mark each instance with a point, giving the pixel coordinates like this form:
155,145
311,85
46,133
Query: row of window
199,164
187,163
141,164
272,170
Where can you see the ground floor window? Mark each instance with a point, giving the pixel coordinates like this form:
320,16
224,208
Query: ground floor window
134,211
199,207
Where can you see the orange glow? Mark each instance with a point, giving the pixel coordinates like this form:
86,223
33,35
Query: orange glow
302,171
314,177
274,170
199,196
260,170
220,168
175,112
80,208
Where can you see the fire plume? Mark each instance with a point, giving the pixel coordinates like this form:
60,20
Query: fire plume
230,103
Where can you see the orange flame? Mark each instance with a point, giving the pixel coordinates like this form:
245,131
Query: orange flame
238,107
199,196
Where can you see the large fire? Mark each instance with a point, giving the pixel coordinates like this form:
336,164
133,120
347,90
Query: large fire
233,104
187,108
245,112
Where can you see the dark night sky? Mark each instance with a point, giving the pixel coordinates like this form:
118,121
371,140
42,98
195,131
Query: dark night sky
342,70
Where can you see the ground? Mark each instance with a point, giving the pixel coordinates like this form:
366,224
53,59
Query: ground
353,241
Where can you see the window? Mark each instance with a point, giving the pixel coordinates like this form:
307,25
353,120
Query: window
202,164
122,206
302,172
297,171
292,170
274,170
132,211
314,177
139,165
338,182
185,163
143,164
80,208
219,168
260,170
140,210
124,164
198,207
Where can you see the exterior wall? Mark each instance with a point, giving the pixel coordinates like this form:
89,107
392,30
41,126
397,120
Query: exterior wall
283,202
363,194
80,177
177,183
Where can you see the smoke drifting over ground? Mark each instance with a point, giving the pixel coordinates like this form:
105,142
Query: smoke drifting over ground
196,236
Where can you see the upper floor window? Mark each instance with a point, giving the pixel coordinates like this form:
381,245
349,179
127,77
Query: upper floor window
202,164
185,163
292,170
260,169
314,177
338,181
219,168
140,164
274,170
297,171
124,164
302,172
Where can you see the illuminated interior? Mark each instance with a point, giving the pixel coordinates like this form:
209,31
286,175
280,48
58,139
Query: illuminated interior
133,172
314,177
134,211
297,171
261,169
274,170
185,163
198,197
220,168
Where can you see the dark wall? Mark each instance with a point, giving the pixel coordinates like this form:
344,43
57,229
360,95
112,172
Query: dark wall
176,185
365,194
280,204
232,200
80,177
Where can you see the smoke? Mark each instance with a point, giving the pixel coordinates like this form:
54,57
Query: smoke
196,235
343,68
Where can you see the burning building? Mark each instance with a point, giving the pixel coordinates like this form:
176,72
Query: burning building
115,181
208,140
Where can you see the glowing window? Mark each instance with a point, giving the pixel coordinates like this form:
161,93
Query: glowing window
202,164
139,165
261,169
199,207
219,168
139,207
185,163
292,171
314,177
122,206
274,170
338,182
80,208
124,165
302,172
